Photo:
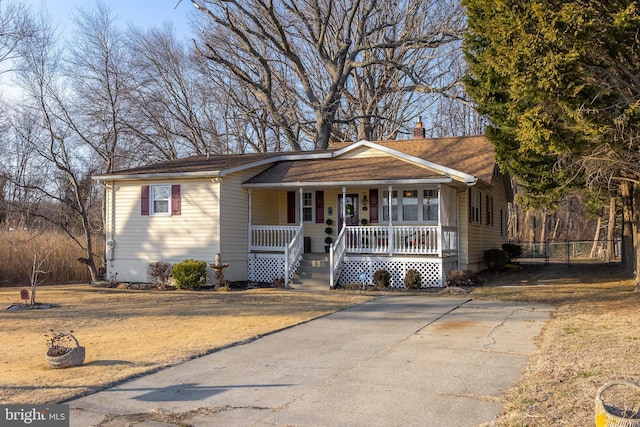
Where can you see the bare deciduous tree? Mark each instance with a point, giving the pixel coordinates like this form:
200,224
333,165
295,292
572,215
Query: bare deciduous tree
16,28
96,68
75,132
298,58
175,113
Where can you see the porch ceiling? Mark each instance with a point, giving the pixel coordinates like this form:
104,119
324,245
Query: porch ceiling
345,171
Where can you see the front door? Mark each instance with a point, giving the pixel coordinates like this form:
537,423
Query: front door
353,210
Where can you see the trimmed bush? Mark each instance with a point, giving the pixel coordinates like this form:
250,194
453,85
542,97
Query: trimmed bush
494,259
381,278
159,273
413,280
190,274
512,251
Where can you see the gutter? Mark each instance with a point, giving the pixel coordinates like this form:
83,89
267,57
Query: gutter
445,180
141,176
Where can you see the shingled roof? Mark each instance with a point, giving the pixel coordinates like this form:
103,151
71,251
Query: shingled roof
340,171
474,155
471,155
198,164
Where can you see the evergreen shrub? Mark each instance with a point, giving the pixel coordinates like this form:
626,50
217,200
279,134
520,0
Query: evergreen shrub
190,274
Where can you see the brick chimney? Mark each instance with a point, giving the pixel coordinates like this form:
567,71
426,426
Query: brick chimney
419,131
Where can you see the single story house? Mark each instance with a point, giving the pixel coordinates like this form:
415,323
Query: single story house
430,204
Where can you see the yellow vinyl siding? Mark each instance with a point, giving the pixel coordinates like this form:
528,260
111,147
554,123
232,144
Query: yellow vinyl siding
480,237
142,239
153,237
234,222
265,207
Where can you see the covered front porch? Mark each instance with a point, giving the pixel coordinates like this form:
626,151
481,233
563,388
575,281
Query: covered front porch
415,234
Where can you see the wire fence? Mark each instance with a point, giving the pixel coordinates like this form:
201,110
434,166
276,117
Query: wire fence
568,251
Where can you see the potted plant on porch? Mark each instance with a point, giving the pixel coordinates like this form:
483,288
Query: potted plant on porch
328,240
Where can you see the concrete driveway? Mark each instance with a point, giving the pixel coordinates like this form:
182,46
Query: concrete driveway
398,360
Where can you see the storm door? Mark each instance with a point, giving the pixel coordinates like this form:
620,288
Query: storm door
352,210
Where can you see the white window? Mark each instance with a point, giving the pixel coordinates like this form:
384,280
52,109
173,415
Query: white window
307,207
489,212
413,205
385,206
475,205
160,199
409,205
430,205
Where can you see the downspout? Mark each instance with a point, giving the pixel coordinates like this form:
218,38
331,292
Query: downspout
111,241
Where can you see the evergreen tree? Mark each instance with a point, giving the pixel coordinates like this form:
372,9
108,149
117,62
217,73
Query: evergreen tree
558,82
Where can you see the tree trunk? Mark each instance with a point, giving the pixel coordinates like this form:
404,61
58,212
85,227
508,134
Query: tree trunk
636,230
596,239
628,245
610,255
513,223
543,228
554,234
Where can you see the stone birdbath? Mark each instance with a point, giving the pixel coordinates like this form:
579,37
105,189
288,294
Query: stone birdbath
218,266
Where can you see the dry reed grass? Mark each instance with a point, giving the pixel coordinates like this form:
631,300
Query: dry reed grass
18,247
592,338
128,333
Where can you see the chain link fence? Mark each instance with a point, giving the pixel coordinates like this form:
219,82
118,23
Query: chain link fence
567,251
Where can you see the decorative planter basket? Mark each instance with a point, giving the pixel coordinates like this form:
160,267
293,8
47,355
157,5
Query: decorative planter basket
612,416
74,357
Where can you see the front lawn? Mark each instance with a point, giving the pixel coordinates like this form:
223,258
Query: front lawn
128,333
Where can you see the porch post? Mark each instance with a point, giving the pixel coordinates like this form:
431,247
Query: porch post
441,208
390,231
344,207
249,224
300,207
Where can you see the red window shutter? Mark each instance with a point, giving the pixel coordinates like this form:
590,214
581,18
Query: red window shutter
319,207
144,200
373,205
291,207
175,199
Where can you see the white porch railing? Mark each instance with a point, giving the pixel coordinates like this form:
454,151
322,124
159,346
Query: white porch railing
425,240
271,237
284,245
336,256
292,255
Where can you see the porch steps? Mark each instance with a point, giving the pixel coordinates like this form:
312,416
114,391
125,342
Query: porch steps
313,272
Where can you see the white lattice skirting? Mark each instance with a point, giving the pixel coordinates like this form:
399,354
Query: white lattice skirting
432,270
266,267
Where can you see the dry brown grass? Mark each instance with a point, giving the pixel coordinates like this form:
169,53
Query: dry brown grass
593,337
127,333
18,247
